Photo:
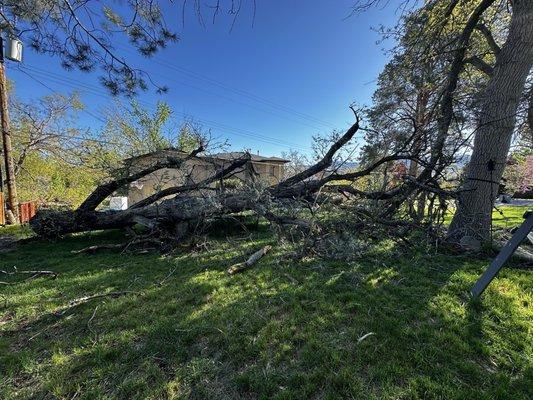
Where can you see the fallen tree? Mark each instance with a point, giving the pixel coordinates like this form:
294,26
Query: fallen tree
176,209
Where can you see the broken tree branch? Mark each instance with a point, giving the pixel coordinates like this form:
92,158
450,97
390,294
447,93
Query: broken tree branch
106,189
479,64
33,274
489,38
117,246
327,160
254,258
240,162
82,300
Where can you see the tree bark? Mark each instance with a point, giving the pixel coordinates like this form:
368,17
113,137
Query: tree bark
495,128
417,204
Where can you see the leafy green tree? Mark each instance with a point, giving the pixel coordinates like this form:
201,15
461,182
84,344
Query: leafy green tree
48,150
449,58
133,130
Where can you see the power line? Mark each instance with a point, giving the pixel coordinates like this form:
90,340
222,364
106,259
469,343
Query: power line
238,102
99,92
54,91
239,92
87,111
76,84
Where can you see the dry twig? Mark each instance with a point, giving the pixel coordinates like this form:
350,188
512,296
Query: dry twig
34,274
82,300
254,258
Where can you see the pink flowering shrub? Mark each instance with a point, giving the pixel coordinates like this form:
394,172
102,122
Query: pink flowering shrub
518,174
527,179
398,171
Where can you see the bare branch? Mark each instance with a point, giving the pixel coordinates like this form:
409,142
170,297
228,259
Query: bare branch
481,65
490,39
106,189
327,160
195,186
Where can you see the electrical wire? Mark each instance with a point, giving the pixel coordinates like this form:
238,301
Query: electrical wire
239,92
92,89
83,110
97,91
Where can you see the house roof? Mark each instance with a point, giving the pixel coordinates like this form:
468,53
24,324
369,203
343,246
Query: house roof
217,156
173,152
255,157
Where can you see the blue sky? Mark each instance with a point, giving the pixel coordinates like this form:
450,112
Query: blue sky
267,87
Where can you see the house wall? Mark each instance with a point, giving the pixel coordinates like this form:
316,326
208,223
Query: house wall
193,171
270,172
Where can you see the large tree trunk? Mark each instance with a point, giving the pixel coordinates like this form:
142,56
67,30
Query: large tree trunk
417,204
174,211
495,129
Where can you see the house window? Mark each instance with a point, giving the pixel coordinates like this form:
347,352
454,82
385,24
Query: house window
272,170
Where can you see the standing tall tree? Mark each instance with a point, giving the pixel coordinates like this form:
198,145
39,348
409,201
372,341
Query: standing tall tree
497,119
483,92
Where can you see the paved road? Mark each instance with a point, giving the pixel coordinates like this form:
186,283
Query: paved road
517,202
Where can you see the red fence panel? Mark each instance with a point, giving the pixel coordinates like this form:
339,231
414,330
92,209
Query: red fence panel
27,210
2,212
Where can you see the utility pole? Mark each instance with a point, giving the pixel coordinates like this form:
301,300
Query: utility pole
12,200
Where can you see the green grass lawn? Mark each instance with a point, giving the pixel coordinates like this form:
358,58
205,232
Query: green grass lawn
502,217
508,216
280,330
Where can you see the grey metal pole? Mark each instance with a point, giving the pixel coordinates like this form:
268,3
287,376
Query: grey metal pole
505,253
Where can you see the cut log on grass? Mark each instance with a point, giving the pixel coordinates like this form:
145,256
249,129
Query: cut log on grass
254,258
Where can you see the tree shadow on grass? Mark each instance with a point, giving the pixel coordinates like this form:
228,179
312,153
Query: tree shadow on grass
394,325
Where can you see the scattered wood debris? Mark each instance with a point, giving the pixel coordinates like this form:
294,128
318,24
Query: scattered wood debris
82,300
365,336
254,258
119,246
33,274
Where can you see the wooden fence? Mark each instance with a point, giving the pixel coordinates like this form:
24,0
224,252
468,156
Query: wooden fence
26,210
2,208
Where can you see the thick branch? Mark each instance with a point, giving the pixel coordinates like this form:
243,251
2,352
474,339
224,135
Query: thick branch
254,258
195,186
286,220
366,171
326,161
480,65
380,195
106,189
490,39
446,103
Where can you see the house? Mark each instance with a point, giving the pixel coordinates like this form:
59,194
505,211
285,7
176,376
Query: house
269,170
